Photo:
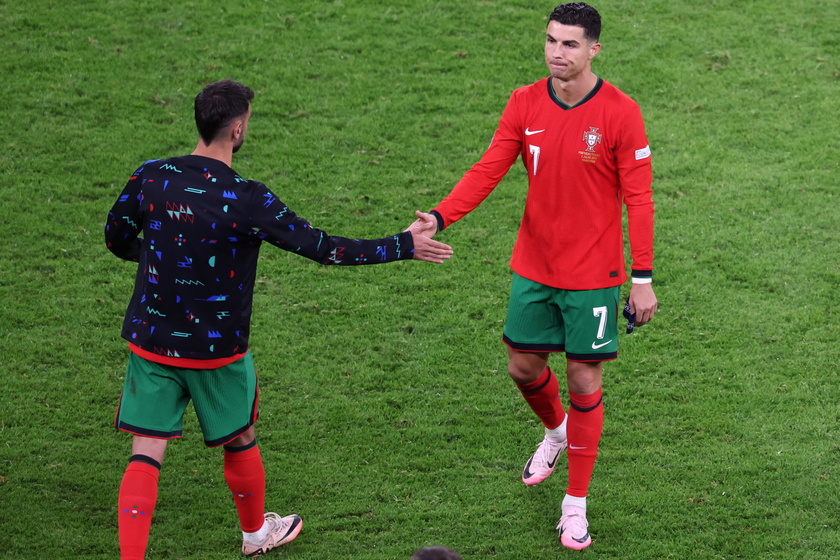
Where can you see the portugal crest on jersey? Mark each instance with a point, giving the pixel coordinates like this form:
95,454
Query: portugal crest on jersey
592,138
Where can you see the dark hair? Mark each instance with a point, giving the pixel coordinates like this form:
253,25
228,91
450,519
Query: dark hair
435,553
218,104
579,14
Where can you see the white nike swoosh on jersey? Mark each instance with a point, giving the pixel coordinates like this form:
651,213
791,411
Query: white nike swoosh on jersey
530,132
596,346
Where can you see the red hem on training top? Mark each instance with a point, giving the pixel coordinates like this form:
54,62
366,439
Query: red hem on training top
187,363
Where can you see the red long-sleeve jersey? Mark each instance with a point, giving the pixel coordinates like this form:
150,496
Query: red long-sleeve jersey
583,162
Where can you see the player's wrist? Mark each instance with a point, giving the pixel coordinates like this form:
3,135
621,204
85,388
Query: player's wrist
440,224
641,276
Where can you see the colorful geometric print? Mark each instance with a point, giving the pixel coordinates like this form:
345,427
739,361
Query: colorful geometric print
194,291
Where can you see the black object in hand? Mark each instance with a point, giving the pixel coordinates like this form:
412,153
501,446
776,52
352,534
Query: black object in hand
631,317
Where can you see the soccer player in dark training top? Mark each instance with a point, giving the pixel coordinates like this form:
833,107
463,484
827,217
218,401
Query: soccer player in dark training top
188,321
583,144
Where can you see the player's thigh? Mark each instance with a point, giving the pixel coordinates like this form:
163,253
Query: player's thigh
226,400
534,322
591,322
153,400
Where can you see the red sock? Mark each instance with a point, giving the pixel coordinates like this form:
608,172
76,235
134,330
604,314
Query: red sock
136,504
543,396
586,422
245,476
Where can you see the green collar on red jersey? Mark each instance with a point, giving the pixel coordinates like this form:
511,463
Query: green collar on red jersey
586,98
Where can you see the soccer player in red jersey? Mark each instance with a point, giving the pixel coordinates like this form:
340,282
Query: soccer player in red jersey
583,144
188,321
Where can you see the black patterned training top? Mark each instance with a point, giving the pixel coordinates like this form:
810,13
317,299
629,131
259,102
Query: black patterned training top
203,226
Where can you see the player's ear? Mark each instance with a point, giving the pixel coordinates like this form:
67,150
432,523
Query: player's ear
237,129
594,49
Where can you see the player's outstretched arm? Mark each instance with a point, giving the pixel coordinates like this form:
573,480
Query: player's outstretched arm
425,248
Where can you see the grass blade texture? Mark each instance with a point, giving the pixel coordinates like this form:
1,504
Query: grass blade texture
388,419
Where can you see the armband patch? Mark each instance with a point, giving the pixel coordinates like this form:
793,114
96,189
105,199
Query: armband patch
643,153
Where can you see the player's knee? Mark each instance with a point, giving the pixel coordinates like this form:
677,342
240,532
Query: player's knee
522,375
584,378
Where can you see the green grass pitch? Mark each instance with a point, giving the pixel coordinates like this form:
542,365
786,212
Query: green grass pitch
388,420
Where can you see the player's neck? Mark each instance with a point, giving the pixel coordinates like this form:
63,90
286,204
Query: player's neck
217,151
572,92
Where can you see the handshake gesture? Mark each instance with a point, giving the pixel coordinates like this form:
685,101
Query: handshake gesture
425,248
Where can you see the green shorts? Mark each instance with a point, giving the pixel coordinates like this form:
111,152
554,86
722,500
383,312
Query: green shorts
155,396
582,323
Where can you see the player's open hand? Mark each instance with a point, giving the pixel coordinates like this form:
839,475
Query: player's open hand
425,224
425,248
